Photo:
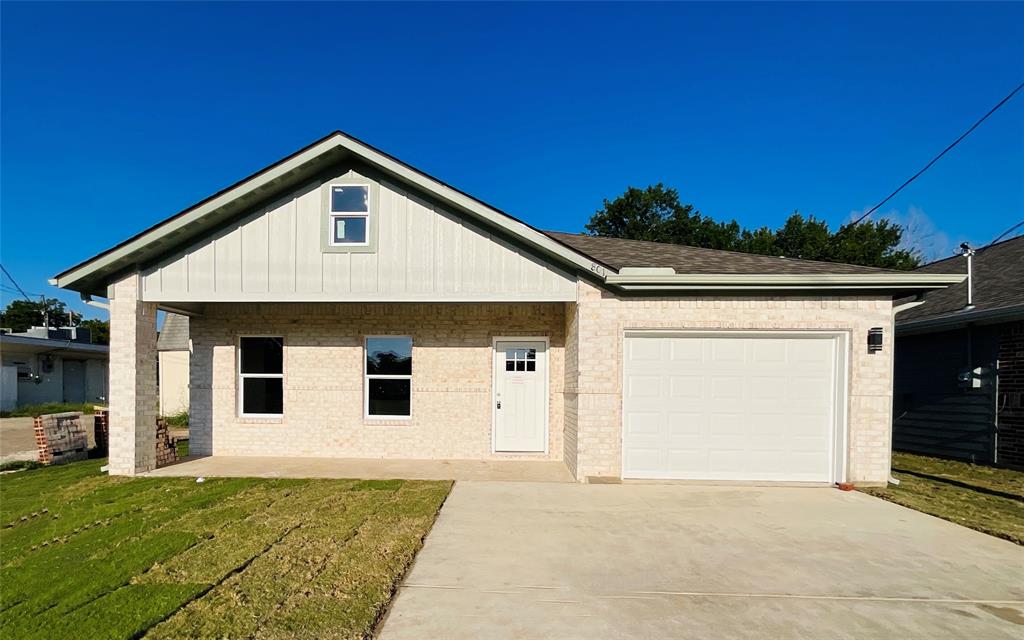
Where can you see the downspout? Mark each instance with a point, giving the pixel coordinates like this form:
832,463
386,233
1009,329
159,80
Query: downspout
87,299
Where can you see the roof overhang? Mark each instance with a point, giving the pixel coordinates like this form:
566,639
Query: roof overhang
93,275
40,345
961,318
891,283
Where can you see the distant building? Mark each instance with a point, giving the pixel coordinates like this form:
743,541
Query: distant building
959,368
44,365
172,366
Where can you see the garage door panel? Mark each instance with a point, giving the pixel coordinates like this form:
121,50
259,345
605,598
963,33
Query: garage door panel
681,459
649,462
643,386
686,387
686,424
735,408
691,351
727,350
763,387
652,350
769,352
726,388
644,423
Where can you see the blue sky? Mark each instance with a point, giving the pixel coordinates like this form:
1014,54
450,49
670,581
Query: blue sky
115,116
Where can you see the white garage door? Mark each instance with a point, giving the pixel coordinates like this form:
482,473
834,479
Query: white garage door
757,407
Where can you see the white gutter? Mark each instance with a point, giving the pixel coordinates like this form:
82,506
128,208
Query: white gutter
87,299
901,281
907,305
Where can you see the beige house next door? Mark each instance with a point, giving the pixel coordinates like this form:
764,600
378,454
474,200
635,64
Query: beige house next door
520,396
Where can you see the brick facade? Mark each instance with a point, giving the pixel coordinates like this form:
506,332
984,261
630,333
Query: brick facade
602,318
452,374
323,378
133,393
1010,398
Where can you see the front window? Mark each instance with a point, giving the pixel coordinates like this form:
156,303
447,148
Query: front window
261,376
350,214
388,377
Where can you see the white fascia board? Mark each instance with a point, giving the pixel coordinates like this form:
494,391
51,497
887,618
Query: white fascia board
901,281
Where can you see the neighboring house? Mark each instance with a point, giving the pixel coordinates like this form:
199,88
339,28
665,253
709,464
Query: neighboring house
959,380
52,365
172,365
343,303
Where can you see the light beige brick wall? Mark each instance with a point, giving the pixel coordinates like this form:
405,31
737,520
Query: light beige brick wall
323,378
571,376
602,319
133,393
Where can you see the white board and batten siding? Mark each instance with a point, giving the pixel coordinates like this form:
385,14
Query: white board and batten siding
422,254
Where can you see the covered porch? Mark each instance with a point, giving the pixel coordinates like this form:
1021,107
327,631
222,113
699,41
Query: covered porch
366,468
304,406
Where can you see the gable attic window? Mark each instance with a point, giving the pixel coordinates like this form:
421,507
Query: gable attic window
349,215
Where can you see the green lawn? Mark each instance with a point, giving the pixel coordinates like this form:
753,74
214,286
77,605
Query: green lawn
32,410
83,555
983,498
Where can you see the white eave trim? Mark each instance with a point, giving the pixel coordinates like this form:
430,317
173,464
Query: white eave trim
768,281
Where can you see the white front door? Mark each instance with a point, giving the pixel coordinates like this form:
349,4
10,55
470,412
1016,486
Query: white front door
520,395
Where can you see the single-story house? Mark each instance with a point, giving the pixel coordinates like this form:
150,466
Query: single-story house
44,365
172,364
343,303
959,377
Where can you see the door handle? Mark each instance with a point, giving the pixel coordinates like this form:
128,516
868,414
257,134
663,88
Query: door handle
499,404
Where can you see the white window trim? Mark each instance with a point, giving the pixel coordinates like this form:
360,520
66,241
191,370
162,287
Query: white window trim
332,215
367,376
243,376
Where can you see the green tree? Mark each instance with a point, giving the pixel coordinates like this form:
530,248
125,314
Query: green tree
655,213
99,330
22,314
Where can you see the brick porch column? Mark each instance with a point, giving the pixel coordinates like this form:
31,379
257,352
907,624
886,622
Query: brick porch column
133,395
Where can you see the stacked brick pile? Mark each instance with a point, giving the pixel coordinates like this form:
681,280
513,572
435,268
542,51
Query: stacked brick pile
101,430
61,437
166,446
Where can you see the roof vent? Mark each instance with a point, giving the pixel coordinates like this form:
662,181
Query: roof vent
967,252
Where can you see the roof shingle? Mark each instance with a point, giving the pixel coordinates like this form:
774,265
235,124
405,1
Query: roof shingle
998,282
618,253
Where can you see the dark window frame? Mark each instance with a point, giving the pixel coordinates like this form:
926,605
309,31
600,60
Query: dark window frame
243,376
368,377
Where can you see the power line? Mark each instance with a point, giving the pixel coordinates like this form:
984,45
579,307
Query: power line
8,274
934,160
1003,235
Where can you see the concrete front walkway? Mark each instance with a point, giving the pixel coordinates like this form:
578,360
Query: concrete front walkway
647,561
369,469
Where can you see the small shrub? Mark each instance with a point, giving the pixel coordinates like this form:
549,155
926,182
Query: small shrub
32,410
18,465
179,419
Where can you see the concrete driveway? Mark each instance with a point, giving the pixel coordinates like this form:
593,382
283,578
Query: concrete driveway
522,560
